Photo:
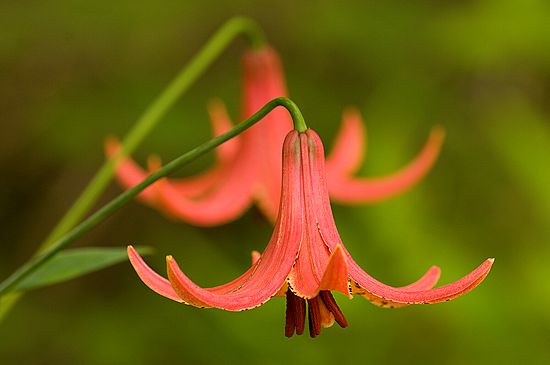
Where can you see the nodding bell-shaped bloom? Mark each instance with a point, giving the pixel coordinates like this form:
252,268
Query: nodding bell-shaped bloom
304,260
248,167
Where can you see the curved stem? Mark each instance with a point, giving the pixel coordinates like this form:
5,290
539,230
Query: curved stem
295,113
151,116
156,110
125,197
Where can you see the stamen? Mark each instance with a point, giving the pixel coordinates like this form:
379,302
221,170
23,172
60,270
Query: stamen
330,303
314,316
295,314
300,313
290,324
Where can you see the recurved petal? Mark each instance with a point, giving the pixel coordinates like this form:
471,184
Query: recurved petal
226,204
189,188
349,146
387,296
128,173
215,209
150,278
269,273
253,290
331,238
323,214
282,291
426,282
363,190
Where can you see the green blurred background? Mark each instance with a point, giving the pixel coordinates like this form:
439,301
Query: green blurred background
72,72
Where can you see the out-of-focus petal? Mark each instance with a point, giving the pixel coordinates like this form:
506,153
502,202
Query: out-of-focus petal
264,81
128,173
200,184
227,201
221,123
197,185
362,190
349,146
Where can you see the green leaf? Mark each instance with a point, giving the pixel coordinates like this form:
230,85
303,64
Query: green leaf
70,264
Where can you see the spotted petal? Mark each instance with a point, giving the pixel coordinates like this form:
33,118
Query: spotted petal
378,292
387,296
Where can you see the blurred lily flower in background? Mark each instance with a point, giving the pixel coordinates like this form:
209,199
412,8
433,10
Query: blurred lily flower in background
248,167
305,259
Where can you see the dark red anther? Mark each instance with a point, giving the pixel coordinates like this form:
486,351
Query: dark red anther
314,316
290,324
295,314
300,313
331,305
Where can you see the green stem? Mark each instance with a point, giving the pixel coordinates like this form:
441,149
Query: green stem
295,113
125,197
152,115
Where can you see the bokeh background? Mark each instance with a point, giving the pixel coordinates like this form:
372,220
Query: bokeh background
72,72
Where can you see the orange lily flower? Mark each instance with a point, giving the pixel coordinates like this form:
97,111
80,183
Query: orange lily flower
248,166
305,259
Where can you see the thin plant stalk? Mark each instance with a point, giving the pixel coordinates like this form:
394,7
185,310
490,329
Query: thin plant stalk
118,202
153,114
148,120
